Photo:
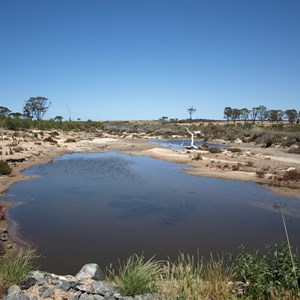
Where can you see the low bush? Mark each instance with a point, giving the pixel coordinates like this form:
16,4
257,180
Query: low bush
269,274
234,150
70,140
50,140
197,157
5,169
291,175
214,150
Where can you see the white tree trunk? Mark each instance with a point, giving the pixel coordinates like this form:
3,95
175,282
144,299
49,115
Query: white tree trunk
192,140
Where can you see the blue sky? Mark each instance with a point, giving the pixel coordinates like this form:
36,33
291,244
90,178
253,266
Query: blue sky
121,60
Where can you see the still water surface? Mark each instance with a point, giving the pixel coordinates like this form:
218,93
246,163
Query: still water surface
100,207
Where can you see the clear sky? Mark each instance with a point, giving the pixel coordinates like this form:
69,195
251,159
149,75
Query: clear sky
121,60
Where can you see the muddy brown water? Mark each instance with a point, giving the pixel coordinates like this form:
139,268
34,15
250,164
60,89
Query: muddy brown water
104,207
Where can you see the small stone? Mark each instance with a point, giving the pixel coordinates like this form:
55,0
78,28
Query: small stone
109,297
84,288
14,290
42,290
65,286
85,296
75,296
117,295
34,298
98,297
99,287
48,293
27,283
90,271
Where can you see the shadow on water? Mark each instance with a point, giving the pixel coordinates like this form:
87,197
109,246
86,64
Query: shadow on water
100,207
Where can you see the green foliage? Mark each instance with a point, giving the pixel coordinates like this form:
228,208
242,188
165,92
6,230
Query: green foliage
70,140
49,139
14,269
5,169
269,142
268,274
136,275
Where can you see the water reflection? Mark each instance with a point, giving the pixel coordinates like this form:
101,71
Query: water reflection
101,207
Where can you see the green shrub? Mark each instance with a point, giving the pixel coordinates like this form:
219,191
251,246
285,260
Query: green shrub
50,140
269,142
197,157
136,275
271,273
214,150
70,140
14,269
5,169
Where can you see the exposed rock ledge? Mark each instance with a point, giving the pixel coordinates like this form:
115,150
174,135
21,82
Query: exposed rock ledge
88,284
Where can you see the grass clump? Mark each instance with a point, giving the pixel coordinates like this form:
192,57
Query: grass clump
137,276
190,279
14,269
5,169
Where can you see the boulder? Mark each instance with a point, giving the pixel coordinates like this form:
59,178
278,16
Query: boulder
90,271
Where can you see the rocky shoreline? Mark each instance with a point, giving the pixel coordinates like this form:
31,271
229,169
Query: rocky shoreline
88,284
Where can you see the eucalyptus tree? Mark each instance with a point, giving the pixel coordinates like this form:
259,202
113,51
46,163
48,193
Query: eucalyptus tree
254,113
191,111
36,107
291,115
4,111
58,118
227,113
164,119
245,112
262,113
236,114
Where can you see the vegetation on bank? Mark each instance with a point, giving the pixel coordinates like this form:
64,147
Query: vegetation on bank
248,275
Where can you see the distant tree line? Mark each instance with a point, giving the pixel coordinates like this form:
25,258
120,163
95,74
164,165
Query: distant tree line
261,114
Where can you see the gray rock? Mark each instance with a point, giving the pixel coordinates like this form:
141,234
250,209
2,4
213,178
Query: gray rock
16,297
90,271
99,287
14,290
27,283
75,296
109,297
48,293
40,277
98,297
117,296
86,296
65,286
84,288
34,298
56,282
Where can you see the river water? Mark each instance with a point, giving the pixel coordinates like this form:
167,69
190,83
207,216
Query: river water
106,206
